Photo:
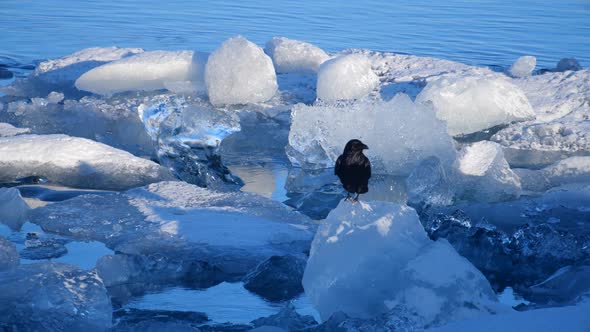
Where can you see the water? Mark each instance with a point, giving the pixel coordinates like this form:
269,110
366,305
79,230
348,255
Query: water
484,32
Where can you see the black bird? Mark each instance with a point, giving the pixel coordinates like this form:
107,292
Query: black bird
354,169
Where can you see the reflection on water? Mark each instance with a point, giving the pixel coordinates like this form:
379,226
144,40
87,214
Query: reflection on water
226,302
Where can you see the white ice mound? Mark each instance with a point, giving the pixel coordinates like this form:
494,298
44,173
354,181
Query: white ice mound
523,66
75,162
148,71
9,258
13,209
346,77
239,72
566,171
294,56
485,174
7,130
53,297
399,134
471,103
231,231
370,258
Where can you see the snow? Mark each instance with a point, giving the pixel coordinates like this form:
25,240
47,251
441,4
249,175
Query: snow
148,71
13,209
486,176
6,130
75,162
346,77
53,297
566,171
231,231
523,66
318,134
473,102
294,56
239,72
9,258
371,258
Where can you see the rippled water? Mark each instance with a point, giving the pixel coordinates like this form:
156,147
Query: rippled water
484,32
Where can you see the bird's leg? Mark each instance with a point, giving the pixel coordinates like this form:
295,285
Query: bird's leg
348,197
356,198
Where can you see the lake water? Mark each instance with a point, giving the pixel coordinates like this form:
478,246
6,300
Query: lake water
484,32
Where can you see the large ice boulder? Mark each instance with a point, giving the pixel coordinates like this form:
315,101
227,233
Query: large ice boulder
566,171
485,174
75,162
155,70
523,66
53,297
60,74
294,56
239,72
473,102
9,258
13,209
399,134
346,77
370,258
232,232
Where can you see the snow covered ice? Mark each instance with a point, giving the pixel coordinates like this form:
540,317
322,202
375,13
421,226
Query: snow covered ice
318,134
565,171
369,258
474,102
75,162
294,56
346,77
148,71
239,72
523,66
7,130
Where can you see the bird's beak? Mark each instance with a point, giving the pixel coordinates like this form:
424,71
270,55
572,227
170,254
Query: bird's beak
365,147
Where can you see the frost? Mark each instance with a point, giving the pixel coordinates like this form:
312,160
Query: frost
346,77
294,56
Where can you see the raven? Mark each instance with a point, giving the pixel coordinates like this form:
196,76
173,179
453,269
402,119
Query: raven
354,169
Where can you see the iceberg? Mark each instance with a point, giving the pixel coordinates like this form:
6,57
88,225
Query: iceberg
318,134
473,102
239,72
53,297
346,77
13,209
148,71
523,66
75,162
294,56
9,258
370,258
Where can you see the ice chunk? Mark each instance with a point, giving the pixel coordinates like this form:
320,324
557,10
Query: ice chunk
232,232
53,297
566,64
318,134
346,77
569,170
294,56
567,285
429,184
13,209
60,74
370,258
239,72
75,162
287,319
523,66
7,130
148,71
486,176
474,102
277,279
9,258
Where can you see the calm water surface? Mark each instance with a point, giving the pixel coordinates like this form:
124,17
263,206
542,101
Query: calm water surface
484,32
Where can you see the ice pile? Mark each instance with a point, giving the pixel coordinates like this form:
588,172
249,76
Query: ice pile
371,258
53,297
182,223
566,171
523,66
473,102
155,70
13,209
399,134
294,56
60,74
346,77
8,255
239,72
75,162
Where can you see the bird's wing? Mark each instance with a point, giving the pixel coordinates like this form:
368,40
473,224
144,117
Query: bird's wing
367,167
338,166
